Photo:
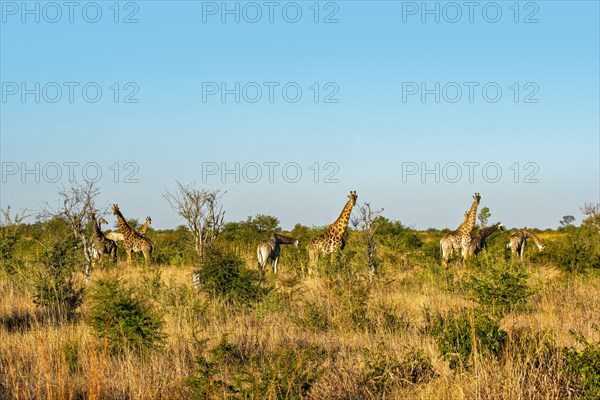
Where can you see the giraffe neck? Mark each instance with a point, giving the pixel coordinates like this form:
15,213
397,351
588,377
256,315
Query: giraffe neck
97,231
535,239
282,239
469,222
485,232
123,225
339,226
144,227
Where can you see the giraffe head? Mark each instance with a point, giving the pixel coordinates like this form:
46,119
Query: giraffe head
148,220
353,196
477,197
115,208
102,221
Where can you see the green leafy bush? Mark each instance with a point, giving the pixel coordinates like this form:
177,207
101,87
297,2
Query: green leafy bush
288,372
224,275
122,319
382,372
500,289
456,334
584,366
53,284
578,249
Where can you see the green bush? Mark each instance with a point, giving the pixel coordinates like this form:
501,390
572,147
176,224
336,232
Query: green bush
578,249
224,275
288,372
500,289
456,334
122,319
383,372
584,366
53,284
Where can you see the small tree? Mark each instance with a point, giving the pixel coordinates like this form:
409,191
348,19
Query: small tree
484,216
202,212
567,221
592,213
368,221
74,206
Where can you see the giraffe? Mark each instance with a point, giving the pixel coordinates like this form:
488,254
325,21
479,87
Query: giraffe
115,236
144,227
478,242
460,238
101,244
269,250
333,239
132,240
518,240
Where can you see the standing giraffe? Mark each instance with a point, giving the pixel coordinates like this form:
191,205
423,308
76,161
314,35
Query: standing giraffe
518,240
144,227
101,244
478,242
132,240
460,239
269,250
333,238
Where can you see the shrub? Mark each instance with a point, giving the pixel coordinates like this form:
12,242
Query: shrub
53,284
288,372
578,249
382,371
456,334
584,366
121,319
224,275
500,289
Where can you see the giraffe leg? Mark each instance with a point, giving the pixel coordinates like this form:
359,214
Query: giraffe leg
275,261
128,256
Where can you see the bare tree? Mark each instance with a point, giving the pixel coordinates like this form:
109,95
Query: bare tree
592,213
75,205
202,212
367,220
7,220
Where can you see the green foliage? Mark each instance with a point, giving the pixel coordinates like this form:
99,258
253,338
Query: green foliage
53,284
174,247
251,231
224,275
288,372
456,334
484,216
578,249
500,289
122,319
584,365
383,371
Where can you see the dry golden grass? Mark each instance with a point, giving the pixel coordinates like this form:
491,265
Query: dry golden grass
45,356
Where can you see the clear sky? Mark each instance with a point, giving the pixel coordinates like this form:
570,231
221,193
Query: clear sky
415,105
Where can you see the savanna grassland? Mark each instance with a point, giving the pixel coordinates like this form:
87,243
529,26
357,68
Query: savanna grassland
494,328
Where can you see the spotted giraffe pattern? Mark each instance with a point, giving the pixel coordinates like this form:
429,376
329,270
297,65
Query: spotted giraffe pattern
460,239
144,227
518,240
102,245
333,239
132,240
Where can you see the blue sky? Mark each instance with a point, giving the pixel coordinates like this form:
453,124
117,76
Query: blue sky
366,125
